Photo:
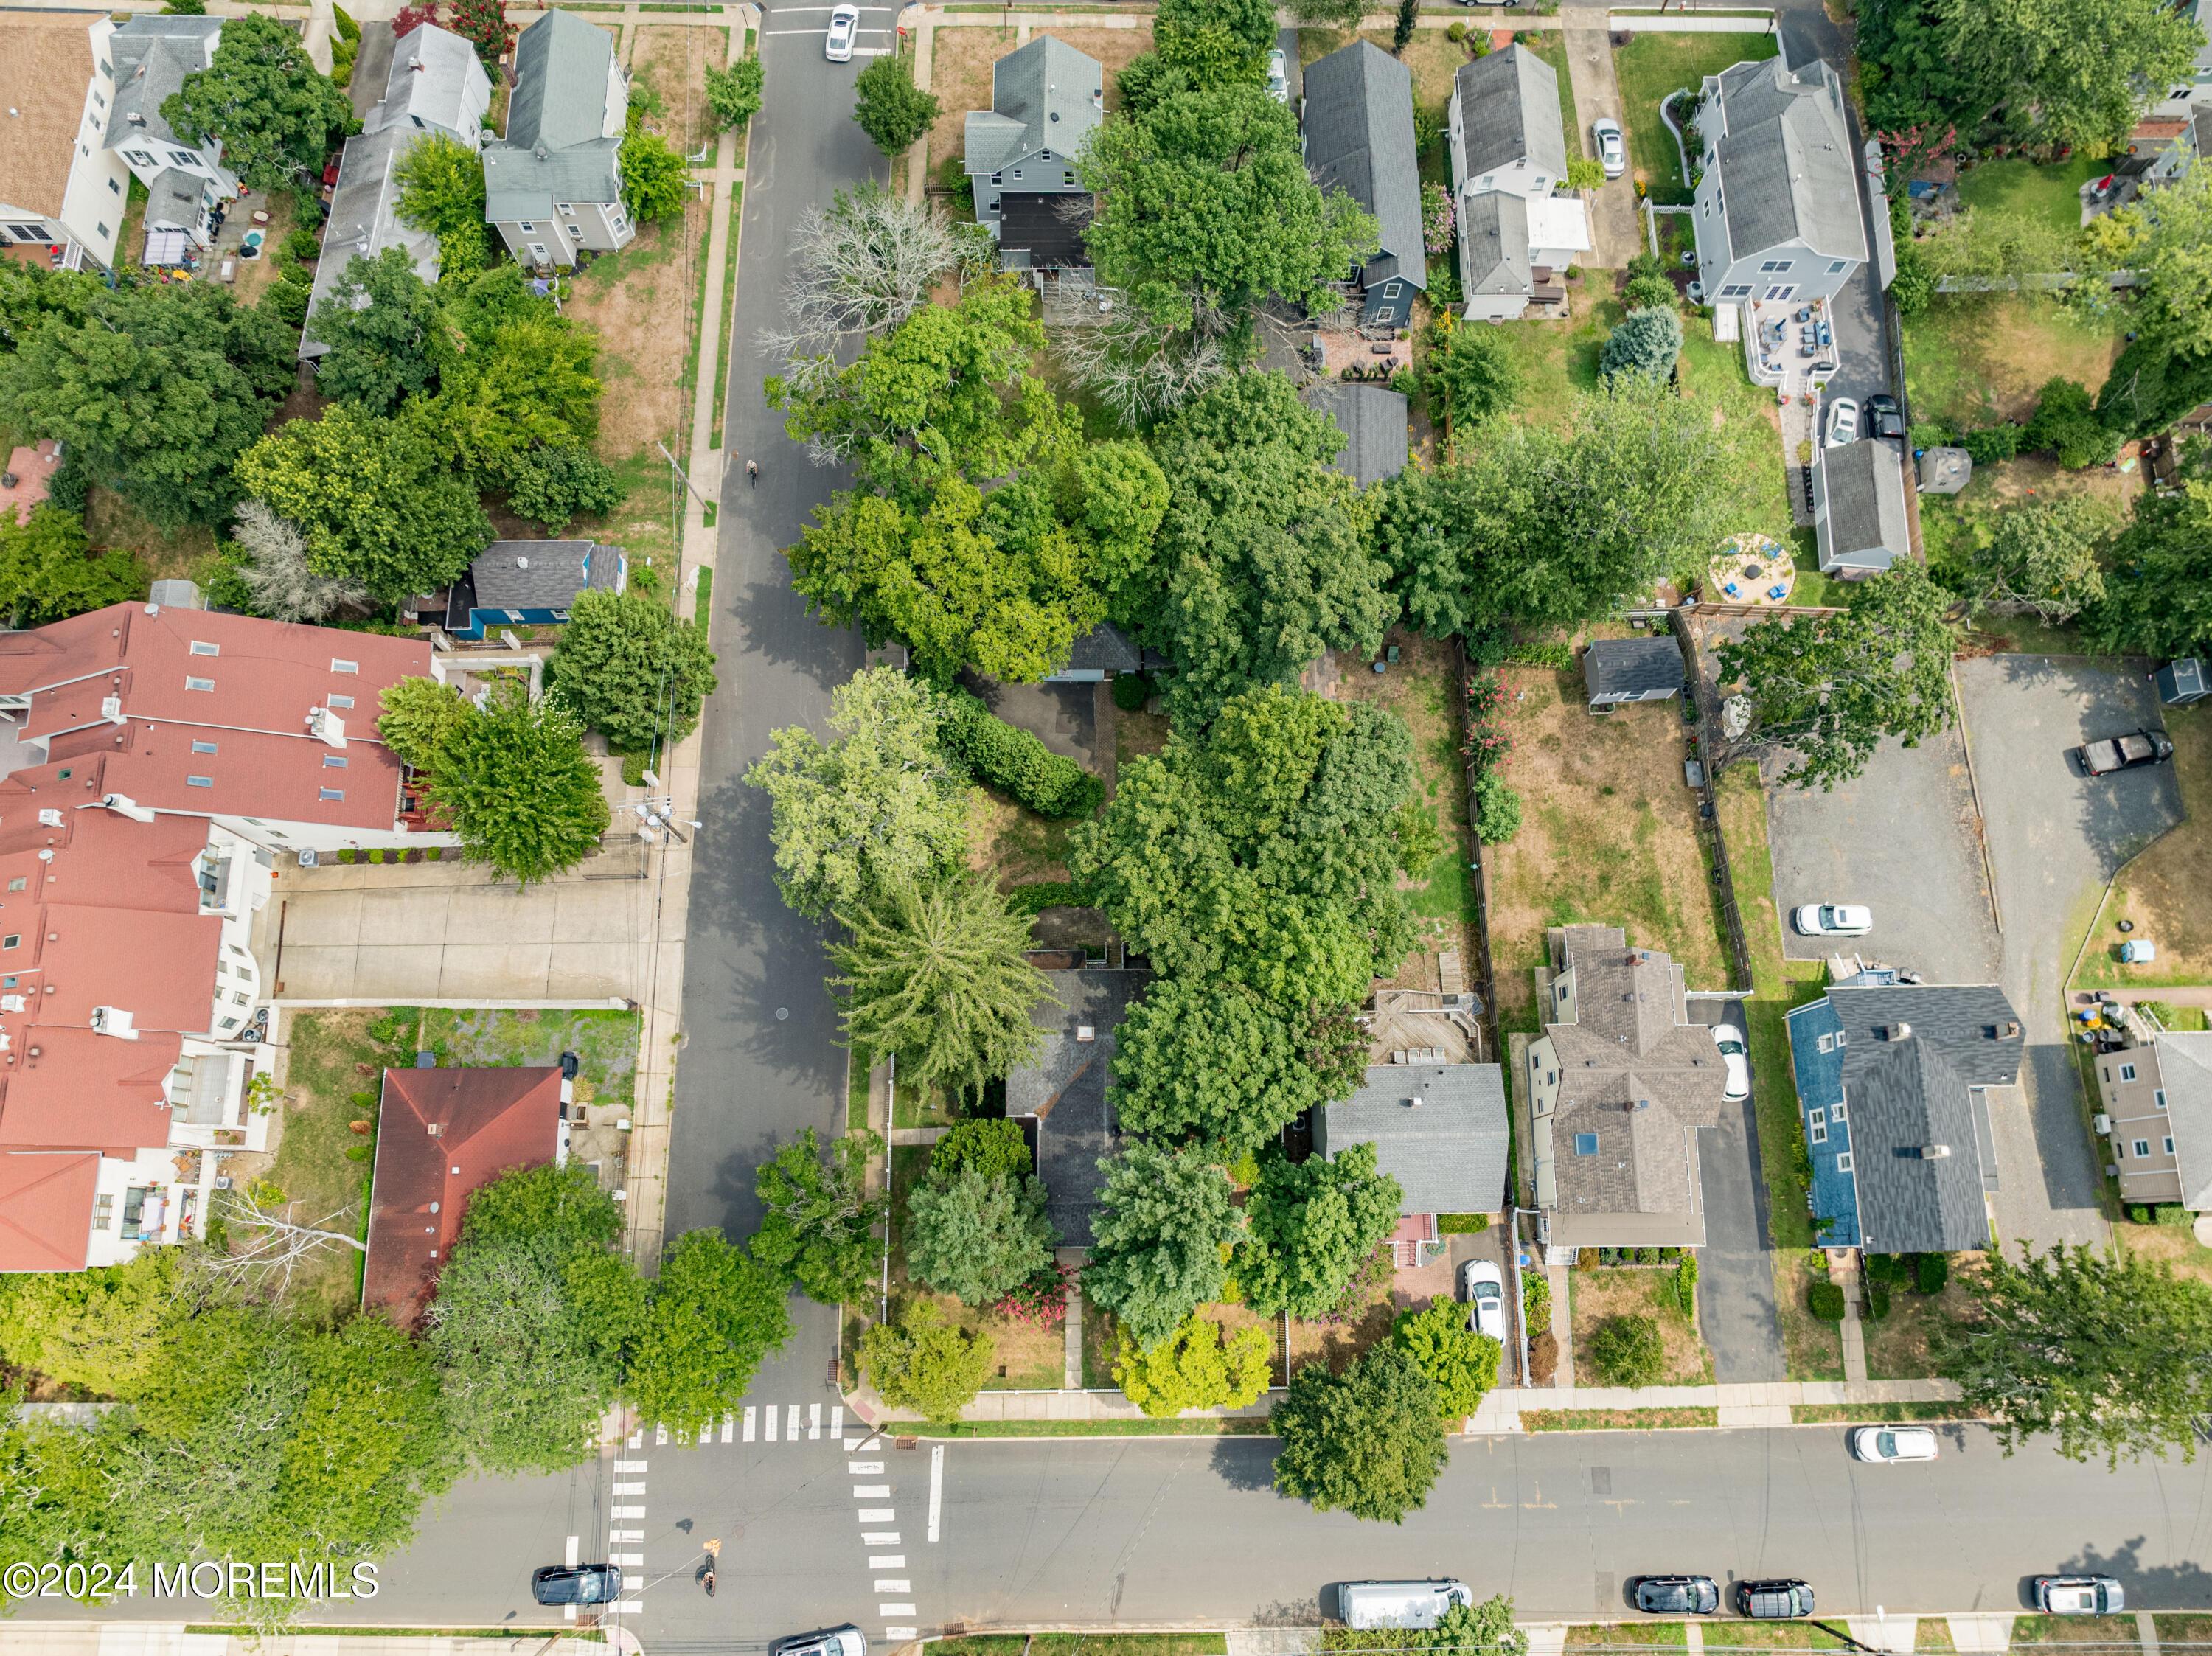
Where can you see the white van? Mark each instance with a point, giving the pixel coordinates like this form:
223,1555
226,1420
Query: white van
1399,1604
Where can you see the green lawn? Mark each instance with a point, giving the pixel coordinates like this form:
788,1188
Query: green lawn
606,1043
2051,193
1755,479
1976,358
1557,359
1552,49
1651,66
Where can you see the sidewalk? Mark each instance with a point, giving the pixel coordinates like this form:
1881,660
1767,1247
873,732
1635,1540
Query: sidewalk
1765,1405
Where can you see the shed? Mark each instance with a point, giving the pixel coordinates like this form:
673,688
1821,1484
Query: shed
1944,470
1104,649
1632,670
530,583
1438,1129
1373,420
2180,683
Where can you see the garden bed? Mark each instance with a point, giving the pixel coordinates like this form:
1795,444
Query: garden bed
1599,1296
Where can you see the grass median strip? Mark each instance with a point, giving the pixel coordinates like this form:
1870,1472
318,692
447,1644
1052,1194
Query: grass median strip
1616,1420
989,1428
1876,1413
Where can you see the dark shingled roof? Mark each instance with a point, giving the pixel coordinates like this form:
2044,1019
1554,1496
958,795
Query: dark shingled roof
1373,420
1508,104
1628,667
1104,648
1494,225
1359,139
1912,1091
1065,1089
1787,171
1449,1155
1865,492
542,575
152,55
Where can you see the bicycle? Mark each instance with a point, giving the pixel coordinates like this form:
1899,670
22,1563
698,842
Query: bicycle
752,473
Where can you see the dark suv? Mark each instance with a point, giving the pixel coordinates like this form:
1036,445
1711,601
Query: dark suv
1773,1601
1678,1595
1884,418
576,1584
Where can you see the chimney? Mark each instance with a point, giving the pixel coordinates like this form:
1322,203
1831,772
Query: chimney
436,1132
1413,1103
1934,1152
1897,1031
124,805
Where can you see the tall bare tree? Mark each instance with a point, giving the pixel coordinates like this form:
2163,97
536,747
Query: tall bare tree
862,265
284,586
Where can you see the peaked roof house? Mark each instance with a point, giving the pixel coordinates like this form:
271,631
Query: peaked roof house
1893,1081
1045,100
59,186
1859,517
1778,213
1632,670
1619,1083
1373,420
1359,139
1509,152
2157,1099
553,184
1060,1095
534,582
436,84
1438,1129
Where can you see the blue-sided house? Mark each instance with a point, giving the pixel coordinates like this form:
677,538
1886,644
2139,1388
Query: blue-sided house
517,583
1894,1080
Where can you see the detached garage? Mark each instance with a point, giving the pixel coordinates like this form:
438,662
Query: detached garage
1617,669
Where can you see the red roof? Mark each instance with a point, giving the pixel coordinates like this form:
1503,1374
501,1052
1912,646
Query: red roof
441,1133
76,1089
249,773
45,1210
101,856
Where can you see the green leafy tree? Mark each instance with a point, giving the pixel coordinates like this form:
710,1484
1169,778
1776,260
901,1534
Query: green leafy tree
2158,589
1370,1441
386,350
1264,558
552,485
1308,1226
1205,204
1496,810
877,805
892,110
1646,342
1201,1366
417,717
526,383
652,174
2109,1355
563,1205
48,569
1461,1363
1251,22
276,115
2046,553
442,190
101,1329
733,95
519,788
1585,172
1630,1351
371,498
818,1230
2065,425
1215,1061
713,1316
632,670
925,1363
1649,287
1830,687
990,1145
935,974
2151,385
1157,1239
977,1238
1475,375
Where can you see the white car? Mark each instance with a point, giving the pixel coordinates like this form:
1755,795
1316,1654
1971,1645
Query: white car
1883,1444
1730,1039
1833,920
1612,147
1842,423
844,24
1482,1285
1279,77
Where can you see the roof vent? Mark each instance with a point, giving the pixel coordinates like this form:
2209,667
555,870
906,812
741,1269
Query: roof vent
522,564
417,64
436,1132
2012,1030
1413,1103
1897,1031
1934,1152
1086,1032
1054,116
540,152
113,1021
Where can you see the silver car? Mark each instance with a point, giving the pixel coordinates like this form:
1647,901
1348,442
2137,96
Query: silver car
1611,147
846,1641
1279,77
844,24
1482,1285
1734,1060
1842,423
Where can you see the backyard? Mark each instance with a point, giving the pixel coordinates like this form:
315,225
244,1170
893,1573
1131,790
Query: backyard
1976,359
1652,66
2052,193
2162,890
1953,526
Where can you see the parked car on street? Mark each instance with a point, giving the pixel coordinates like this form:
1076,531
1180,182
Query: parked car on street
1833,920
1482,1285
1278,76
1678,1595
1612,147
844,24
2079,1595
576,1584
1737,1062
1882,1444
1884,418
1774,1601
1842,423
1399,1604
2125,753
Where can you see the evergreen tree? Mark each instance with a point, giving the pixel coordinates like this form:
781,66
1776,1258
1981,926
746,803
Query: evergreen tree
1157,1236
977,1238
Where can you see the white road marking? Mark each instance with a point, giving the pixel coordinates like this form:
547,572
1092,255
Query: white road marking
790,1423
749,1423
637,1439
857,1467
633,1583
879,1538
626,1512
871,1491
868,1445
627,1607
895,1609
878,1515
837,1420
629,1489
627,1560
615,1536
770,1415
935,1488
814,1422
729,1425
889,1561
575,1550
894,1587
622,1466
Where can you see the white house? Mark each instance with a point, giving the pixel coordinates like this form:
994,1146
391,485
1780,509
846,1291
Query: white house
1779,218
553,184
1509,155
59,185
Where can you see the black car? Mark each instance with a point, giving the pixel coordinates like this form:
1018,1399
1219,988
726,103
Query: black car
2125,753
1774,1601
1678,1595
1884,418
576,1584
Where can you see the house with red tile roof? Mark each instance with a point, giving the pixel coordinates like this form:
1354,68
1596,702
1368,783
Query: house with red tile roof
440,1135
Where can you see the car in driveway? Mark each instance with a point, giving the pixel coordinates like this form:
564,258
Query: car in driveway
1833,920
1735,1060
844,25
1677,1595
1884,418
1611,147
2079,1595
576,1584
1278,76
1880,1445
1842,423
1482,1285
1779,1600
2125,753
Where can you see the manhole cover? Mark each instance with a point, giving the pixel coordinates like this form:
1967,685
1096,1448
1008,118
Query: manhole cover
781,1013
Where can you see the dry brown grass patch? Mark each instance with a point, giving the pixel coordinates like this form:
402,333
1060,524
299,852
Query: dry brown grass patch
641,302
2162,890
2171,1245
1602,1295
674,61
1016,845
960,62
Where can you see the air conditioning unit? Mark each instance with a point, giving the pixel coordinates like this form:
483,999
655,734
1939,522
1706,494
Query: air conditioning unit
50,818
2101,1125
114,1021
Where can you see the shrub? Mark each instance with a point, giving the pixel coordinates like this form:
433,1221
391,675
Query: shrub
1826,1301
991,1147
1015,763
733,95
1668,1255
1456,34
1041,894
1496,810
2139,1212
2176,1215
1647,1256
1646,342
1536,1300
1931,1271
1887,1267
303,246
1989,444
1686,1285
1877,1301
2065,425
1586,1258
1543,1357
1132,691
1547,653
1608,1256
1931,433
1461,1224
1630,1351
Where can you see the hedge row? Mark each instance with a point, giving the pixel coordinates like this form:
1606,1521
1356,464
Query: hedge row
1015,763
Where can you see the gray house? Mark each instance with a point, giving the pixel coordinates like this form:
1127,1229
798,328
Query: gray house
151,56
1858,508
1045,100
1373,420
1060,1095
1778,216
1509,153
1632,670
553,184
1438,1129
177,217
1359,139
437,84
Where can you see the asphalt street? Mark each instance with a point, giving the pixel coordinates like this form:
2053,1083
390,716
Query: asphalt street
760,1061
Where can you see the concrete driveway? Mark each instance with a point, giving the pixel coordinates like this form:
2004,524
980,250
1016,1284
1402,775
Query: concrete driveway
1615,227
2055,837
1736,1312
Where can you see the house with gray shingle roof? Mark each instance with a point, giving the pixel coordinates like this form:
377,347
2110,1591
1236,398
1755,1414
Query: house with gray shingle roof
1359,139
1778,203
1858,508
151,56
1509,153
1438,1129
1045,100
1061,1098
1893,1081
553,183
1620,1084
437,84
513,582
1632,670
1373,420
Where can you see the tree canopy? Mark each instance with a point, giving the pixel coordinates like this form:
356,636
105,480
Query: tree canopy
1157,1237
2158,591
978,1238
49,570
442,190
1201,1366
1462,1364
633,671
2161,243
1308,1226
277,116
818,1228
518,789
925,1363
1646,342
1370,1441
714,1315
386,335
892,110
